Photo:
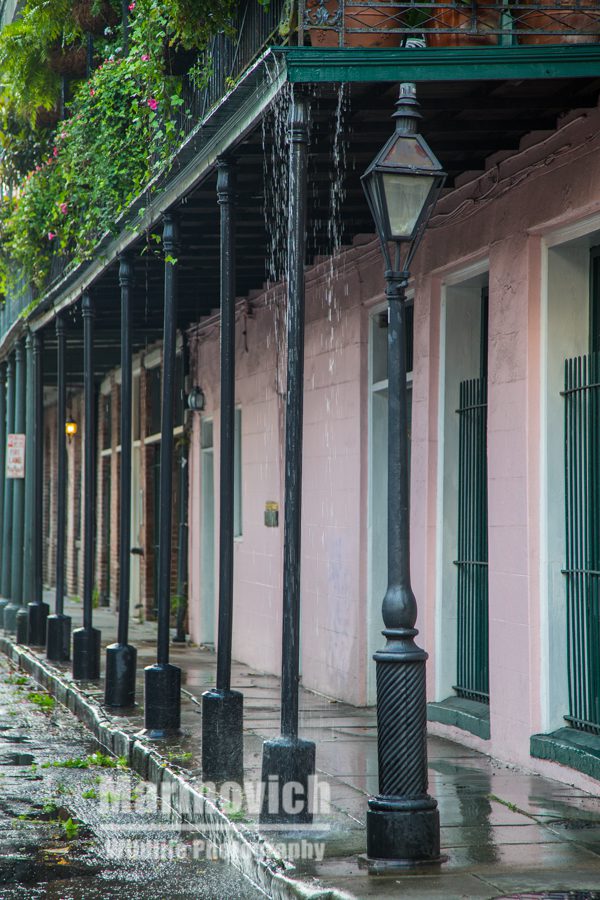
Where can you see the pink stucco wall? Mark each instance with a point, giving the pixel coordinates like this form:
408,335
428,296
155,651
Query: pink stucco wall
552,182
499,217
333,653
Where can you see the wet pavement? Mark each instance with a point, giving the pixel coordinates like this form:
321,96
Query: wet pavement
76,825
506,832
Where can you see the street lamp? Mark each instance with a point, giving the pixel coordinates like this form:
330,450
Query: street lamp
403,827
196,400
70,428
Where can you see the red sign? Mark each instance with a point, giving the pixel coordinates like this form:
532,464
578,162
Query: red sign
15,456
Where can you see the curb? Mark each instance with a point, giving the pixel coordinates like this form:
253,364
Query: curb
249,853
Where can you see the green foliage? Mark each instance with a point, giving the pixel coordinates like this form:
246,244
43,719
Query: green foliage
42,700
178,601
73,763
102,760
179,756
71,829
234,813
90,794
50,809
121,127
16,679
98,759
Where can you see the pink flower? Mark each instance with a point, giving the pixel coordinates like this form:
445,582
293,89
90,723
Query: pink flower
152,103
64,208
92,92
132,6
145,57
51,235
55,151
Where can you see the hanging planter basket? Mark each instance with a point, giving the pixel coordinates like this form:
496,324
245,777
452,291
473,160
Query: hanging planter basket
69,60
46,118
94,17
473,25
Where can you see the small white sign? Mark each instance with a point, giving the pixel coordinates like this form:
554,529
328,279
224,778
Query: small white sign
15,456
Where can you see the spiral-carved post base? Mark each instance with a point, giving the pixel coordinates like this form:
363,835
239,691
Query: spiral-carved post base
403,825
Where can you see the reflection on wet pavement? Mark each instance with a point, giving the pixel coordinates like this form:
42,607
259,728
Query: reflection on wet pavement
74,825
505,831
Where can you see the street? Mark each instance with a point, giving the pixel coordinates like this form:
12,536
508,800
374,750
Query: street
76,824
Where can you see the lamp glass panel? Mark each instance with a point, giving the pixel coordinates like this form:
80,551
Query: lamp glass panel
408,152
406,196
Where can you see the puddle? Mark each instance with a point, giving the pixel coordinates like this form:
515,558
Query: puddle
31,867
576,825
16,759
553,895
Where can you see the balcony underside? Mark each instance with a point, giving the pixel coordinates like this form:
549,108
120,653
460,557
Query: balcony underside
476,104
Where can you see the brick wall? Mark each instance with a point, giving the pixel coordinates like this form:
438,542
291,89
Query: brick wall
107,500
74,542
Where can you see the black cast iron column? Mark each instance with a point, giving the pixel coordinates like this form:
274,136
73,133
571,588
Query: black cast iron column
182,528
18,516
289,758
58,638
86,640
222,708
121,657
3,433
403,820
37,609
8,492
162,685
27,549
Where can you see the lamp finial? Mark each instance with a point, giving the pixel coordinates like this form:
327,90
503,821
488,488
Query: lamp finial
407,109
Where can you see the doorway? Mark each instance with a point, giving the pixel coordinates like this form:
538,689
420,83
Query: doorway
207,532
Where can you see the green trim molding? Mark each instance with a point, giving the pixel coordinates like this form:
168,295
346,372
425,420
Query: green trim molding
569,747
470,715
314,64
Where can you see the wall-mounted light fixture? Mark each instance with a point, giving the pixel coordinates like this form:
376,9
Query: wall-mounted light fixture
196,399
70,428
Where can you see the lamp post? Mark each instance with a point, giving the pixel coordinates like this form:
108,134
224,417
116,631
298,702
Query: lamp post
403,827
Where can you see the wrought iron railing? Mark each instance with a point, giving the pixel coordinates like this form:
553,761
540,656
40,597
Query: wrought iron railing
472,562
17,299
381,23
582,569
254,29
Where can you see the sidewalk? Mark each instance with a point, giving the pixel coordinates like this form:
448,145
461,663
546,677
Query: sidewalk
505,831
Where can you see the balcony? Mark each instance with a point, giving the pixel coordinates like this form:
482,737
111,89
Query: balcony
459,23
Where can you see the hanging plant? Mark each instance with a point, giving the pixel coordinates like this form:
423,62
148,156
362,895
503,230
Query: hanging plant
95,16
69,60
